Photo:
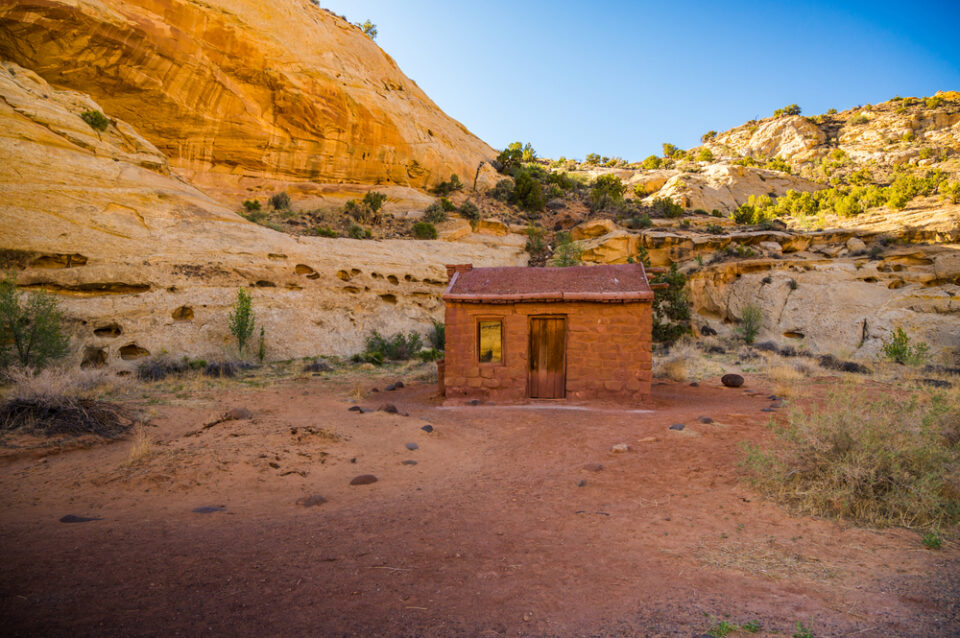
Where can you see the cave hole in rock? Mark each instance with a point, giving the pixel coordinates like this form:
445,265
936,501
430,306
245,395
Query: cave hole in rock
265,283
133,351
896,283
94,357
393,279
869,280
293,286
108,330
793,334
410,278
351,289
389,298
303,269
344,275
59,261
183,313
276,256
434,282
354,272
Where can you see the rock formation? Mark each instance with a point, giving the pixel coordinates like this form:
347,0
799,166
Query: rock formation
242,95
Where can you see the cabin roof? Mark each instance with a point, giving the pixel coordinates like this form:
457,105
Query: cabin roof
607,283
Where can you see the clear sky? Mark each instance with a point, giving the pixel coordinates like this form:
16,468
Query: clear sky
618,78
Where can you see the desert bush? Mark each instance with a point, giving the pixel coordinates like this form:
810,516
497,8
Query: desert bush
527,191
791,109
899,349
158,368
950,191
651,163
429,354
96,120
357,231
369,29
751,320
225,368
435,213
242,319
640,222
709,135
450,186
325,231
368,210
437,335
670,150
280,201
399,347
251,205
671,307
536,245
606,192
56,401
469,211
510,158
424,230
261,345
503,190
667,208
786,379
31,327
890,461
933,101
705,155
858,119
777,164
566,252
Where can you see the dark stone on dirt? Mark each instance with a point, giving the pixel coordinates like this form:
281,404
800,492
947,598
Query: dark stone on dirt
353,460
705,419
72,518
375,390
427,428
732,380
707,331
694,384
238,414
389,408
716,350
936,383
311,501
364,479
941,369
219,369
355,408
318,366
582,483
856,368
274,465
474,402
593,467
777,404
394,386
411,446
409,462
208,509
773,397
788,351
677,426
768,409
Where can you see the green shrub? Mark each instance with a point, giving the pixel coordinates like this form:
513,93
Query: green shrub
358,232
709,135
470,212
535,246
503,190
435,213
667,208
950,191
447,205
777,164
705,155
858,119
430,354
933,101
932,540
900,350
399,347
369,29
606,192
566,252
791,109
714,229
450,186
242,319
671,306
280,201
669,150
510,157
888,461
438,335
96,120
31,327
643,221
652,162
374,201
424,230
751,321
527,191
251,205
324,231
261,345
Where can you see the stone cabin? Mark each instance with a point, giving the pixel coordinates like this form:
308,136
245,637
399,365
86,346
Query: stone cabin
580,333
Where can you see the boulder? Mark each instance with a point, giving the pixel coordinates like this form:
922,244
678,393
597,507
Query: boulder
732,380
593,228
856,245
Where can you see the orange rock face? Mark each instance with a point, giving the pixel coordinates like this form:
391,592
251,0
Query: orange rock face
237,92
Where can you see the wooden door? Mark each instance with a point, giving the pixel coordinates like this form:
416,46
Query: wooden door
548,360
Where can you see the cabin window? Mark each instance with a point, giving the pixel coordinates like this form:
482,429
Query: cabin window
490,341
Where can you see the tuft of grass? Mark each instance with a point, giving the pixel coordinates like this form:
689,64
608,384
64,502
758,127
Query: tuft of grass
876,462
142,445
785,378
932,540
722,629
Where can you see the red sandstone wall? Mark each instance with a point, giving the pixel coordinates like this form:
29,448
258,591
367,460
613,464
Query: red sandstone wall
608,350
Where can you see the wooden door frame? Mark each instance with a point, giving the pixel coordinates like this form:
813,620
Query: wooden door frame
566,339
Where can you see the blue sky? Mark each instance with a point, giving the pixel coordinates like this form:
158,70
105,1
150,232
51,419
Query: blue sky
620,78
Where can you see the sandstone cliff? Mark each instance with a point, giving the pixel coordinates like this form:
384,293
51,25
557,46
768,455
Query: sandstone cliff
143,262
241,95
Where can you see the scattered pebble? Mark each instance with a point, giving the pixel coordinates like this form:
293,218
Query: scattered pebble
732,380
582,483
389,408
72,518
620,447
394,386
409,462
694,384
311,501
208,509
355,408
648,439
593,467
353,460
412,446
474,402
677,426
705,419
318,366
363,479
274,465
427,428
768,409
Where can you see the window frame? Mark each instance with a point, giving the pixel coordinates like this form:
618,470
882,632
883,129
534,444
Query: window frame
503,341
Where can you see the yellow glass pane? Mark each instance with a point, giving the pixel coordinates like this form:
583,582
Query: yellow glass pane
491,342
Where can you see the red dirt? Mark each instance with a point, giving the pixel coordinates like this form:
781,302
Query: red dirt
489,534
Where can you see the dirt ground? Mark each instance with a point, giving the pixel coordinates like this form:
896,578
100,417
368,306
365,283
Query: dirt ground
505,526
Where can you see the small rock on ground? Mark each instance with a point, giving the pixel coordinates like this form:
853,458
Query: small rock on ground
409,462
411,446
394,386
364,479
593,467
732,380
238,414
677,426
620,447
389,408
705,419
427,428
311,501
582,483
208,509
694,384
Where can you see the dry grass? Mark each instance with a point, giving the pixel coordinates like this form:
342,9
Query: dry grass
685,362
142,445
786,379
771,558
884,461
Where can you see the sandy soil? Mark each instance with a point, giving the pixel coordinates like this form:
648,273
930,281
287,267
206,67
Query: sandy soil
490,533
